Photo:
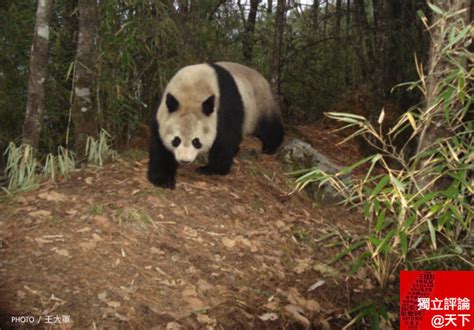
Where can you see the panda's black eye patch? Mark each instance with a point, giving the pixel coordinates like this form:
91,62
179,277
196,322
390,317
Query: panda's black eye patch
176,141
208,106
172,103
197,144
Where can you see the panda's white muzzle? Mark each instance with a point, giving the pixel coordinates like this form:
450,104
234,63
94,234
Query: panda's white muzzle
185,155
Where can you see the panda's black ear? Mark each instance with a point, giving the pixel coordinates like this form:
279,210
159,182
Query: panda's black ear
208,106
172,103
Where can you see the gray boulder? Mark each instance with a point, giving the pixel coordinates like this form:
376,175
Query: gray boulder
297,155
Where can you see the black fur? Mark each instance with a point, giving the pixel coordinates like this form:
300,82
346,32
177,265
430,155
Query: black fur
230,122
270,131
208,105
162,165
172,103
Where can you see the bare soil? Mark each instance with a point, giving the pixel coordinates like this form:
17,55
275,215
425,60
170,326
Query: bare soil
105,249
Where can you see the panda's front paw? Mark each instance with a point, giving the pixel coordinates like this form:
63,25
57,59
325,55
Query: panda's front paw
206,170
162,182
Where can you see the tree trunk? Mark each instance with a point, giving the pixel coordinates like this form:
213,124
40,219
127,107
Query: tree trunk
438,69
269,6
347,64
365,40
337,33
83,108
37,75
277,49
326,18
248,40
315,14
382,22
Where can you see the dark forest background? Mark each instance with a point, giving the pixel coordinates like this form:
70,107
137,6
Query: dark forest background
316,53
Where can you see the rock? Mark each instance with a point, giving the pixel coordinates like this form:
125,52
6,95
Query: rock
298,155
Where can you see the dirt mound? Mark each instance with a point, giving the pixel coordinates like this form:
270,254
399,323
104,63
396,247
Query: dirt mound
105,248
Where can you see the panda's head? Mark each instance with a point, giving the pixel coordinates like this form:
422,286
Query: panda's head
187,129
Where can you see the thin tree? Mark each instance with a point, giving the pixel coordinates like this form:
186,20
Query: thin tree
348,36
248,40
277,49
337,32
365,39
380,83
38,75
84,111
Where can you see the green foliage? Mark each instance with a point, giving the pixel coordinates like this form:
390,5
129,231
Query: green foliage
143,43
98,151
21,168
97,209
375,312
16,30
134,217
61,164
419,207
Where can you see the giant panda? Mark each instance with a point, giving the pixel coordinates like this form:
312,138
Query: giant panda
208,108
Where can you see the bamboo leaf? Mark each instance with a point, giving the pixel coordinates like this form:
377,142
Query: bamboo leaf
359,263
432,234
435,8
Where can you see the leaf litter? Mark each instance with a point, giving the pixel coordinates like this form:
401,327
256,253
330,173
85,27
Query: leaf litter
216,252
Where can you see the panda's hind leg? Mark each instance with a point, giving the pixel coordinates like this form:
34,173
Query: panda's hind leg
270,131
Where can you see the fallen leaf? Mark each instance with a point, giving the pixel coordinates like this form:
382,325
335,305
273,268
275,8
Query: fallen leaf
194,303
61,252
42,240
173,326
20,294
189,291
326,270
203,285
157,251
295,298
188,231
302,266
121,317
102,296
40,213
52,196
102,221
88,245
238,209
72,212
113,304
201,185
316,285
204,319
228,243
247,242
312,305
296,312
272,305
83,230
268,317
96,237
280,224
